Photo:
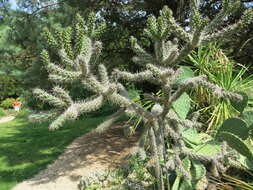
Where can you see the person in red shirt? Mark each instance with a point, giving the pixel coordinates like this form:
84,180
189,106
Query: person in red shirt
16,105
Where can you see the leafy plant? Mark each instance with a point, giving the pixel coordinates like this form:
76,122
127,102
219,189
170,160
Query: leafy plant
198,173
235,126
138,166
230,182
222,71
2,113
7,103
203,144
235,132
92,187
9,86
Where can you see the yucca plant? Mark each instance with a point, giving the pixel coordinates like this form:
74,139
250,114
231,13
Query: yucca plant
231,183
222,71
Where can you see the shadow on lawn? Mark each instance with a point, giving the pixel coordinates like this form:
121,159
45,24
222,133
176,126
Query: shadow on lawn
90,153
26,148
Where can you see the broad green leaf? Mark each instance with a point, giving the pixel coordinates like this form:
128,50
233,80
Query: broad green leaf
251,130
208,148
191,135
186,164
176,183
247,116
245,162
199,170
236,143
186,73
235,126
239,106
134,94
182,105
186,185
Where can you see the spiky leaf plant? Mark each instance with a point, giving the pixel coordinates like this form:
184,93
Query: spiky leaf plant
161,123
224,72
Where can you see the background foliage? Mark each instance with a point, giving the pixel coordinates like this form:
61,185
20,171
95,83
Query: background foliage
21,27
223,71
21,41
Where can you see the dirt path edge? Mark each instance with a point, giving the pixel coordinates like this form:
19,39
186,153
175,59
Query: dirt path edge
87,154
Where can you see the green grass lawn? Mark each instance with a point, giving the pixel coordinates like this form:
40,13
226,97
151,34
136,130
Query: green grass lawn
26,148
2,113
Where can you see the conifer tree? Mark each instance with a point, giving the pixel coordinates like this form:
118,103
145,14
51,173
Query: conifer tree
78,63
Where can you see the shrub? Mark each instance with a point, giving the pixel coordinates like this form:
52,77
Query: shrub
8,86
2,113
7,103
211,61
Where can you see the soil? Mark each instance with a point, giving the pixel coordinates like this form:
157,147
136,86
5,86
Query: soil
86,154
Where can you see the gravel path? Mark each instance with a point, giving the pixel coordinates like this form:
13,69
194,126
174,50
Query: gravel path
6,119
86,154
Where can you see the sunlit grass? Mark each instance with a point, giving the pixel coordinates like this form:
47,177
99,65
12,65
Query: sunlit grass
26,148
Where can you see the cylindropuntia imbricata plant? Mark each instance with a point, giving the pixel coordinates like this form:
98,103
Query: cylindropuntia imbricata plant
161,123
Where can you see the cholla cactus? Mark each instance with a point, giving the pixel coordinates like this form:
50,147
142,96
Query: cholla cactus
77,64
